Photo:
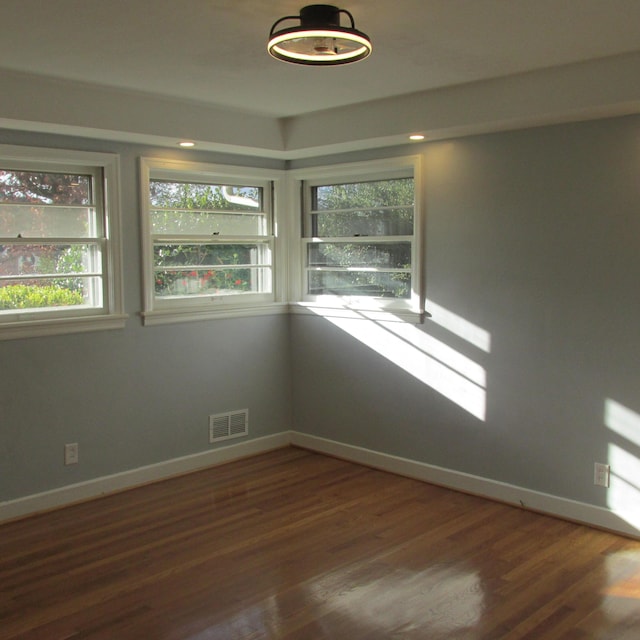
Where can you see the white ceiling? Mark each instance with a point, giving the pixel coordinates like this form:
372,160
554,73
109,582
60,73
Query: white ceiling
213,51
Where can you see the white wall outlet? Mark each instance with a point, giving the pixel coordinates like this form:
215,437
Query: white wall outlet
71,453
601,474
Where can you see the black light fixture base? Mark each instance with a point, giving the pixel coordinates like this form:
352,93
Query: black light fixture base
319,16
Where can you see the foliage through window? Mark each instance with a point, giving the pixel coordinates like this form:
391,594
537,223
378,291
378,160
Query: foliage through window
210,239
56,259
359,239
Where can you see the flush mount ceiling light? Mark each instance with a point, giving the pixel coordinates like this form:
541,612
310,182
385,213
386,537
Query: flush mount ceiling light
319,39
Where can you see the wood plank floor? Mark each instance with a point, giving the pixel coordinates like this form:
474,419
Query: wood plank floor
295,545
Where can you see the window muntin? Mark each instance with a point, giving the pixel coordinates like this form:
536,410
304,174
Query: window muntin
209,240
385,255
388,221
360,283
377,262
373,207
194,222
211,269
52,242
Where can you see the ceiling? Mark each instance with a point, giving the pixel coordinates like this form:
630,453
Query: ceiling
213,52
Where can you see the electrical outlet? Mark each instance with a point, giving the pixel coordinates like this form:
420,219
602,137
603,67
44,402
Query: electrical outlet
601,474
71,453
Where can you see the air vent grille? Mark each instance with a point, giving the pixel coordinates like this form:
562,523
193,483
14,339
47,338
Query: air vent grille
224,426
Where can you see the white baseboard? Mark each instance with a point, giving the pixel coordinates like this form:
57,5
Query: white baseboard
533,500
536,501
128,479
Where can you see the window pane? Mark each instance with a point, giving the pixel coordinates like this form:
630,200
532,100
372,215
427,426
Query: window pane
210,256
374,194
395,255
29,221
209,237
200,196
48,259
360,283
209,282
21,187
203,223
395,221
363,232
45,293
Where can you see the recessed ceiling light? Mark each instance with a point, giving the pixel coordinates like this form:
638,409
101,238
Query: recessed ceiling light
416,136
187,143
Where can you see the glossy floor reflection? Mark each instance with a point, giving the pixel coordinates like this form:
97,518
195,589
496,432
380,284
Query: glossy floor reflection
399,600
293,545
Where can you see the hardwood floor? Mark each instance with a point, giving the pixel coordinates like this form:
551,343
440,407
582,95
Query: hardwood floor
295,545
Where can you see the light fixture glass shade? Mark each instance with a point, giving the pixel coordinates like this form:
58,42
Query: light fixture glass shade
320,39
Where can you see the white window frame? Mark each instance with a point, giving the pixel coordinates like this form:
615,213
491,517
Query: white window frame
162,311
300,184
110,315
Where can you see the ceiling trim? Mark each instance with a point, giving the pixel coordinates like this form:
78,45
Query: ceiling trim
600,88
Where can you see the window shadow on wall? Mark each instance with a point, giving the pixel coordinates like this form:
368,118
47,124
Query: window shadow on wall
434,363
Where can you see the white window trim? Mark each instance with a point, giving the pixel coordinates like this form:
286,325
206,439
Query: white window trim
27,324
215,306
410,310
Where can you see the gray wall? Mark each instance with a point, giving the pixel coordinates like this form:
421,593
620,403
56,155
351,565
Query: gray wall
533,237
140,395
532,241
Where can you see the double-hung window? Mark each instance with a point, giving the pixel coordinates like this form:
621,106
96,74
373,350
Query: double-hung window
361,230
59,253
209,240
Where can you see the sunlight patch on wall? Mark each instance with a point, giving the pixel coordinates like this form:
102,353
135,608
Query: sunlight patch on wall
624,489
440,351
435,364
459,326
622,420
624,492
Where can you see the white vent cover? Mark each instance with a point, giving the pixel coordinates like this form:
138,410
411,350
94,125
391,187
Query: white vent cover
224,426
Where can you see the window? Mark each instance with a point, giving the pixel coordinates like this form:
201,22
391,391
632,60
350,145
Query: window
360,229
209,241
59,253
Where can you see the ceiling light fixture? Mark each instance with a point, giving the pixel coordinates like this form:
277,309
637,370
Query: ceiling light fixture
319,39
416,136
186,143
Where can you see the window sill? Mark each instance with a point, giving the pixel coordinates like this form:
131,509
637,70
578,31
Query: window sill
59,326
347,311
172,316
